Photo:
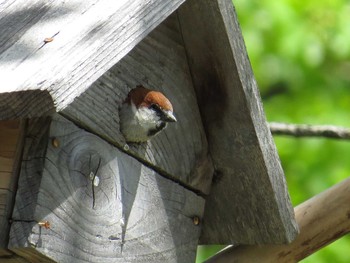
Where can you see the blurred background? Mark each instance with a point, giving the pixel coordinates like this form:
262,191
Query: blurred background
300,55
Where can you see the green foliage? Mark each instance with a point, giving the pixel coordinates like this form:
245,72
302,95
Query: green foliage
204,252
300,54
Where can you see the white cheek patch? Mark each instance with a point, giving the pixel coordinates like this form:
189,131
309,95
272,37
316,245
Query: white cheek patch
139,124
146,116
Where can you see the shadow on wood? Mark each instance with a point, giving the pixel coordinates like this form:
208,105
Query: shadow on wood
13,104
23,255
11,141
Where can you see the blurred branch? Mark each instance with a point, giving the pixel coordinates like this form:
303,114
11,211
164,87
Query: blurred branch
305,130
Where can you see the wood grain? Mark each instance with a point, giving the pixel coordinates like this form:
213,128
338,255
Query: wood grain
29,104
9,136
11,142
128,214
158,62
249,201
322,220
35,144
87,38
23,255
91,37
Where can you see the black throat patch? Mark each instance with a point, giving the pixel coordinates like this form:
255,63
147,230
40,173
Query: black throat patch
158,128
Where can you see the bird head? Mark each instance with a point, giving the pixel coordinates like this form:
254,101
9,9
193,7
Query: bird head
144,113
155,101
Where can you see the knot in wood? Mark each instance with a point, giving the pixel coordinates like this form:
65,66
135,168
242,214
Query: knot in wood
91,174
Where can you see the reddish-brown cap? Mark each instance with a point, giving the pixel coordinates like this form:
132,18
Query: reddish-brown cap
143,97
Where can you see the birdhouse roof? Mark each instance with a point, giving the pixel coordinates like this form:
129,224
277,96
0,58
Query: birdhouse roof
51,52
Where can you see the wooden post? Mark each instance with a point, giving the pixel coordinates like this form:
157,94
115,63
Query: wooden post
249,201
322,220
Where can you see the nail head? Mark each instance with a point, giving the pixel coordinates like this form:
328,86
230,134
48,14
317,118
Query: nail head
45,224
48,39
55,143
196,220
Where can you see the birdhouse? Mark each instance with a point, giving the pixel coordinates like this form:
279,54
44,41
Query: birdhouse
73,190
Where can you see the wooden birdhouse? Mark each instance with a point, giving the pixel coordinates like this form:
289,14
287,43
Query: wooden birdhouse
73,190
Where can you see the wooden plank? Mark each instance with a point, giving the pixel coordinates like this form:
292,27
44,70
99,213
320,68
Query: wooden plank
23,255
158,62
35,145
5,214
322,220
5,253
30,103
3,205
249,201
101,204
11,138
62,47
9,133
31,255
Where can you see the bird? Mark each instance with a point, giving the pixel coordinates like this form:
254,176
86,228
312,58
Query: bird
143,114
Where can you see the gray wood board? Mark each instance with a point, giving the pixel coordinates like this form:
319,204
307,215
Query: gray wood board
5,213
23,255
128,214
249,202
35,145
87,38
158,62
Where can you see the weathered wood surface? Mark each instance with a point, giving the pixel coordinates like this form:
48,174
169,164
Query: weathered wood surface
25,103
249,201
62,47
11,135
35,144
322,220
93,36
23,255
158,62
102,205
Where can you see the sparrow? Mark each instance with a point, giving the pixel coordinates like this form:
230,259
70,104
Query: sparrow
143,114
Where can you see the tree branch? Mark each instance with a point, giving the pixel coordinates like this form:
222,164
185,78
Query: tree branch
305,130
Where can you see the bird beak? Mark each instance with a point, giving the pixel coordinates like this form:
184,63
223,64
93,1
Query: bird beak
169,116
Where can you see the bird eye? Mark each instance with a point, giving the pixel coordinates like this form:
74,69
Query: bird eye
155,107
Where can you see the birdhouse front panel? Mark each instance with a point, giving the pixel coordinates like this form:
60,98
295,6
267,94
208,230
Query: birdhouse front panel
159,63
